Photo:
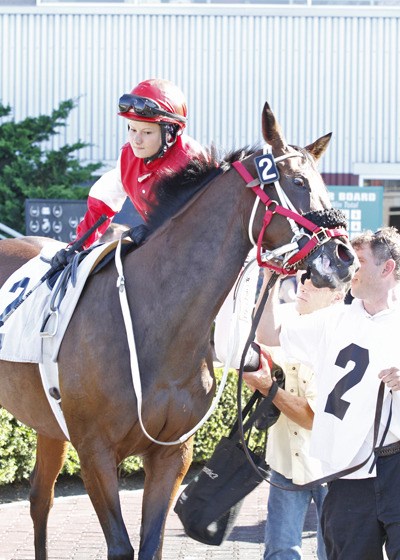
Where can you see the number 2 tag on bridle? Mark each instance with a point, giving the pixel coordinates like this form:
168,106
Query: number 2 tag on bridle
266,168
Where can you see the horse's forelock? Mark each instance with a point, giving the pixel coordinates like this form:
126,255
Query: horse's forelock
237,155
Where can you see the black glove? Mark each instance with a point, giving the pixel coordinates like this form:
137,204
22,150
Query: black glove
138,234
61,259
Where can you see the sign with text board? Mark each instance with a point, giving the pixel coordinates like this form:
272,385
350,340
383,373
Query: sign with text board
58,218
54,218
362,206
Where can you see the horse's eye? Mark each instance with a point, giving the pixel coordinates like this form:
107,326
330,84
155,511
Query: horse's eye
299,181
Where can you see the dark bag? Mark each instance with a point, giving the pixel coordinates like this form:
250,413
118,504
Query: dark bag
210,504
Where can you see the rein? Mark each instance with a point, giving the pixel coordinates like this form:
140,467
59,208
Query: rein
137,385
274,387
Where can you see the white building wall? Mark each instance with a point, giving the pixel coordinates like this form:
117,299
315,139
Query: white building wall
321,70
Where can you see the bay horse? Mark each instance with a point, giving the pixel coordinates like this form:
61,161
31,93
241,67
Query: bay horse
175,282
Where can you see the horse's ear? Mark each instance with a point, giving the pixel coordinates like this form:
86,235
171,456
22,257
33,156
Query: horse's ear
271,129
317,148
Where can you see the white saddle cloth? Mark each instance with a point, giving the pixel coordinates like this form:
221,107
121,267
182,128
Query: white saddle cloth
21,339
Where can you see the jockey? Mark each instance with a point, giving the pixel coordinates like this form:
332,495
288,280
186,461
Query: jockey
156,112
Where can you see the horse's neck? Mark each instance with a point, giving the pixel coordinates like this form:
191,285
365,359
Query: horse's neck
193,262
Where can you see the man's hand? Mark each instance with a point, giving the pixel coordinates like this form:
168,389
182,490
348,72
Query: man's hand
391,377
261,379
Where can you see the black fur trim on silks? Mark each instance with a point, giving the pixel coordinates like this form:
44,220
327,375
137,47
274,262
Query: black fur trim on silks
328,218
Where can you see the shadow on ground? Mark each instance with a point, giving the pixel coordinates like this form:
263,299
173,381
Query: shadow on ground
73,486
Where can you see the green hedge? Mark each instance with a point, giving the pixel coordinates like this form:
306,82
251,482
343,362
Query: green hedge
17,442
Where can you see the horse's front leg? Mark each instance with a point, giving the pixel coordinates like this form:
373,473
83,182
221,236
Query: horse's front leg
165,470
99,473
50,457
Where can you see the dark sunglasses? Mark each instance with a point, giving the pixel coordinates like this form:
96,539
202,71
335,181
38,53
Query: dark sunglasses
379,235
144,107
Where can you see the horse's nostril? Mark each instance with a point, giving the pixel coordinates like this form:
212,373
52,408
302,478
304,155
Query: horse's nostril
344,254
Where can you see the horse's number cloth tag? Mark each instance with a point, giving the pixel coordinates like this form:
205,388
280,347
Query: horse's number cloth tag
266,168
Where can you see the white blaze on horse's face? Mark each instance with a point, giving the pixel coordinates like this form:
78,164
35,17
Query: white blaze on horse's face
322,265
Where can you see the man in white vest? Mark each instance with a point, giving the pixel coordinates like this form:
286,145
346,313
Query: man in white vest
354,351
289,439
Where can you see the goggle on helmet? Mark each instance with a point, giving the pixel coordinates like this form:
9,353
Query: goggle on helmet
158,101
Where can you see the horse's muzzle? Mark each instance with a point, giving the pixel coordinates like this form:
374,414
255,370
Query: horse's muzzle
332,265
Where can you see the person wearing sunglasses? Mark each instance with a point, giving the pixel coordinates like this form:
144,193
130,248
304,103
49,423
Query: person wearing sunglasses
355,353
289,439
156,115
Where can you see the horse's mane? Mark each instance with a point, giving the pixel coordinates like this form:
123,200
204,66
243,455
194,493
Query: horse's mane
174,190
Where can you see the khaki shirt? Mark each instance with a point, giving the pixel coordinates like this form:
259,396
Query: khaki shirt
288,443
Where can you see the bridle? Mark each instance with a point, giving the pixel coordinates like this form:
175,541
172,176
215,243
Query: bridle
291,254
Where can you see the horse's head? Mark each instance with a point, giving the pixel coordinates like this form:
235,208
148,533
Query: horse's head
297,227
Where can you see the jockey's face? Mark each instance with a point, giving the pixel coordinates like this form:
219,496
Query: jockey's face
144,138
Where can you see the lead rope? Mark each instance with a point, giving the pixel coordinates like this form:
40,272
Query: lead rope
137,385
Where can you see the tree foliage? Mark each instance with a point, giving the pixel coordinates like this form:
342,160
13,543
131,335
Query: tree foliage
30,170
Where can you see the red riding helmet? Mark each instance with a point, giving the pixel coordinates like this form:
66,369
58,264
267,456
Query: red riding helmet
155,100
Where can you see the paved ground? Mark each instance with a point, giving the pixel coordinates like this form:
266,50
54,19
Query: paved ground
74,531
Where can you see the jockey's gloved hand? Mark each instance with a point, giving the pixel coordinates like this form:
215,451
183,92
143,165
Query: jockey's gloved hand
61,259
138,233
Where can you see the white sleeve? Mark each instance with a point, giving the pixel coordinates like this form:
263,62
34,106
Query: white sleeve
301,335
109,189
233,322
